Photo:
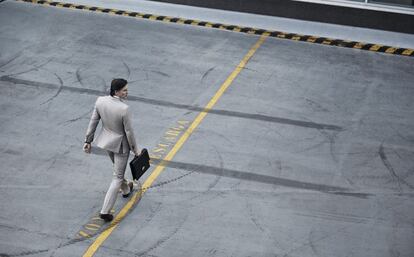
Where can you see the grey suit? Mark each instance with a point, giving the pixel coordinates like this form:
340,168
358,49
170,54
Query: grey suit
117,137
117,134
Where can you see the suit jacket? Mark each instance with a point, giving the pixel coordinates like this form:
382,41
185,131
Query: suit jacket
117,134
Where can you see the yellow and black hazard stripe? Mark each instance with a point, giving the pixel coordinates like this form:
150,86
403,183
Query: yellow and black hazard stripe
248,30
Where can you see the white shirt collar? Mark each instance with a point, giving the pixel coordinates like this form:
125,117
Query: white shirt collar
117,97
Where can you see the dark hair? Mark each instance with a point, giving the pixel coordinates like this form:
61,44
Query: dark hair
117,84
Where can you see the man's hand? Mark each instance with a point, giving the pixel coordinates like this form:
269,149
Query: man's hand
87,148
136,152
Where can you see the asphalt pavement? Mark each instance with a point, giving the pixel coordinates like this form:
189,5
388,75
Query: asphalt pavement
308,152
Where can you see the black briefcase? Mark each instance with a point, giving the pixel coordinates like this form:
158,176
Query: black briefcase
140,164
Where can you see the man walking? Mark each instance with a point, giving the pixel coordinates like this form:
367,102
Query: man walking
117,137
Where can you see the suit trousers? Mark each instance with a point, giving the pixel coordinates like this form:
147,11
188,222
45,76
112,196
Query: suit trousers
120,161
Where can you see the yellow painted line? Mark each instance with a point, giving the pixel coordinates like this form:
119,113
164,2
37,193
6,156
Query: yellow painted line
93,228
84,234
157,171
93,225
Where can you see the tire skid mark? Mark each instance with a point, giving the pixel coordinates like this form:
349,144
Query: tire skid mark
312,243
164,239
61,245
334,155
279,181
150,101
212,184
315,105
78,77
371,220
84,115
328,138
396,153
215,182
11,60
105,88
157,72
26,253
120,251
252,217
257,224
207,72
154,211
36,67
336,217
127,68
16,228
18,54
312,147
147,220
58,91
391,169
331,139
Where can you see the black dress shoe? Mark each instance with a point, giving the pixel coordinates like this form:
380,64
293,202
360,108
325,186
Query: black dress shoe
131,186
106,217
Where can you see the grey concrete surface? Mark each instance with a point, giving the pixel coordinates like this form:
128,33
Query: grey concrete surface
308,153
